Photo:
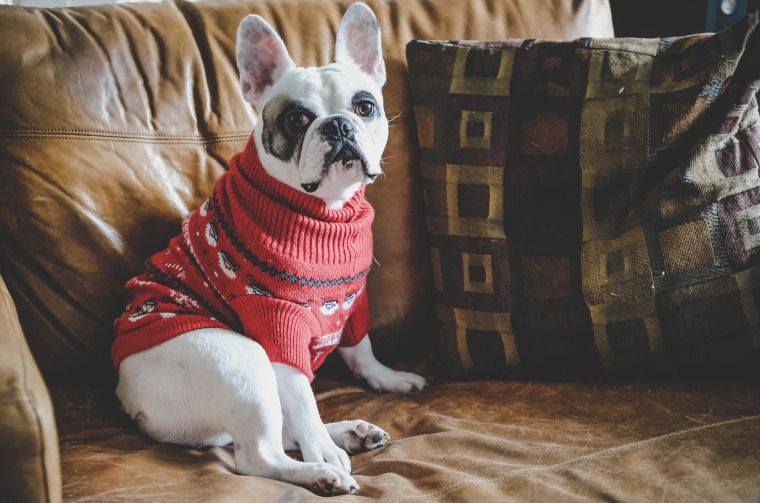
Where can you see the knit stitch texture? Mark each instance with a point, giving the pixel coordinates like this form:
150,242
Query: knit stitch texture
264,260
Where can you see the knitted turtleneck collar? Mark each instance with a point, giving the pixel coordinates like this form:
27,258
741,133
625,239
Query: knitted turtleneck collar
289,222
250,166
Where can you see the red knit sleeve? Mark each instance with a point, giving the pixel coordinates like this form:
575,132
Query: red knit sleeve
358,323
284,329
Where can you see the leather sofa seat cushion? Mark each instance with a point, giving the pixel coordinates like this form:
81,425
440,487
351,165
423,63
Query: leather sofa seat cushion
470,441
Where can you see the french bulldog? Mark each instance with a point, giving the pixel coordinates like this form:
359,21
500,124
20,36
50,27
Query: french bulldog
219,342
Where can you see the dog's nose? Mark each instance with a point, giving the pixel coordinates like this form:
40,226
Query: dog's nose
338,127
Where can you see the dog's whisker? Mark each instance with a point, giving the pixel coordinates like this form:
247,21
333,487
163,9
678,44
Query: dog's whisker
391,119
386,159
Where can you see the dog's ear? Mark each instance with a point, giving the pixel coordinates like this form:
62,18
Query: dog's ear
358,42
261,57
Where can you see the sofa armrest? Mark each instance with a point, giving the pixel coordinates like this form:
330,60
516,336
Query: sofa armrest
30,468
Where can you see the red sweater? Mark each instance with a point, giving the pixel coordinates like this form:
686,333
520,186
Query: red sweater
262,259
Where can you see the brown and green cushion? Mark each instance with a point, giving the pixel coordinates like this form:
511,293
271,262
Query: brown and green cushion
592,204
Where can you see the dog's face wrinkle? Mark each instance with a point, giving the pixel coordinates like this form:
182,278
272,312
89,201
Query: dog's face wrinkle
278,138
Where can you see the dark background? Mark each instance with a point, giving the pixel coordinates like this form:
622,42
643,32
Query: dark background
664,18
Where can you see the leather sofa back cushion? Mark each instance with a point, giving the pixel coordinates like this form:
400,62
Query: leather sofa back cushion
592,204
115,121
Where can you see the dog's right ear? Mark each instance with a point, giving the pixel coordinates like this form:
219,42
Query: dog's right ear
261,57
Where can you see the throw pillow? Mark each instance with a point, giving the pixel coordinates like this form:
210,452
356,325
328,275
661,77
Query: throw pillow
592,204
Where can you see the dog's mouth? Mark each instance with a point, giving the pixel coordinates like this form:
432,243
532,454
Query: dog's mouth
348,154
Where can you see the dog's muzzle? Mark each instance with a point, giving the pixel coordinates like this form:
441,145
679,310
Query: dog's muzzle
340,133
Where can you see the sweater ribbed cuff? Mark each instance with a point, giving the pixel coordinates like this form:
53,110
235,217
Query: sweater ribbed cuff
284,329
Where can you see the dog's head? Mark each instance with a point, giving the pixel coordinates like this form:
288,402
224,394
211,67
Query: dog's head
320,130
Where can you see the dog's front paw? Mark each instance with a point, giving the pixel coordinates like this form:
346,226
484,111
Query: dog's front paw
383,379
357,436
324,450
332,481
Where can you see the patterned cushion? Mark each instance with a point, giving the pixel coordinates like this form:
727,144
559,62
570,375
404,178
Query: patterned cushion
592,204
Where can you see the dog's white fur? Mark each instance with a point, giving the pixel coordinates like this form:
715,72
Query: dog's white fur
212,386
358,66
325,90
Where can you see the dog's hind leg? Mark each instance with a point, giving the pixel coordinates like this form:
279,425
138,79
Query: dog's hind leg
210,387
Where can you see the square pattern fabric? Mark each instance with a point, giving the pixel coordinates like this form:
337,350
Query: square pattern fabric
592,204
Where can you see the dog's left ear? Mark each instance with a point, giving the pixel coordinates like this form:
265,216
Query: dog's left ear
358,42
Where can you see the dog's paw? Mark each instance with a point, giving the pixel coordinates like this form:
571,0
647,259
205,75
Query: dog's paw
332,481
385,380
357,436
324,450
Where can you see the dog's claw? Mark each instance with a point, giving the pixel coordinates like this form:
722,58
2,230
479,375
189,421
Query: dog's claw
333,486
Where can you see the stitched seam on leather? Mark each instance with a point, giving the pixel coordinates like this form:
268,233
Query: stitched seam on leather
166,140
97,132
570,462
119,139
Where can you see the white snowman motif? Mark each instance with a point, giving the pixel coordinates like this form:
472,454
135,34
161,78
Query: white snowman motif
349,301
205,207
144,310
254,290
228,266
212,235
329,307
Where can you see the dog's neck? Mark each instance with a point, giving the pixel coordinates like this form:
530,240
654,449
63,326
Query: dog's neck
340,197
336,204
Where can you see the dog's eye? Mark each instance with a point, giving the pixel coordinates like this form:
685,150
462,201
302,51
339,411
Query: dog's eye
365,108
298,119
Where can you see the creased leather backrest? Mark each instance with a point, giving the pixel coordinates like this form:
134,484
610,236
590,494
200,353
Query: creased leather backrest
116,120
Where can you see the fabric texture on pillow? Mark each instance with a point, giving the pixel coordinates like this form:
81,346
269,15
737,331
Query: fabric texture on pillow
592,204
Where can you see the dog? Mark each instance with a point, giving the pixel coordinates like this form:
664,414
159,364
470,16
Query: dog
227,324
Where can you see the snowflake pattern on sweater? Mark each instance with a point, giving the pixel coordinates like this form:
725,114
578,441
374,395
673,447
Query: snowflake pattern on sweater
263,260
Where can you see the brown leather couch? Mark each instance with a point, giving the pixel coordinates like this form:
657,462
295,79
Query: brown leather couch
116,120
